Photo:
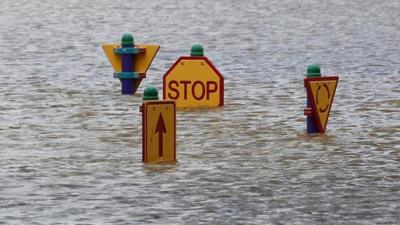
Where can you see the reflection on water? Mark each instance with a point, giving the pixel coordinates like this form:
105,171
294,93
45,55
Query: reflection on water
71,144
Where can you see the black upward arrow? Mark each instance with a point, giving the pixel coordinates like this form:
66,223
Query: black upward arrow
160,129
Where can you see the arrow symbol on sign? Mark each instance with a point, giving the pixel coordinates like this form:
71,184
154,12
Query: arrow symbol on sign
329,96
160,129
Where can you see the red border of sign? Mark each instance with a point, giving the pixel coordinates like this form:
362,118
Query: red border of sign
151,59
221,99
314,105
144,125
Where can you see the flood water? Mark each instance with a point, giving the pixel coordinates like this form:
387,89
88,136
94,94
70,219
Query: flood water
70,143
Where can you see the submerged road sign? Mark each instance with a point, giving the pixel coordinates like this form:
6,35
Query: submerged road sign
322,91
194,82
142,62
158,131
130,62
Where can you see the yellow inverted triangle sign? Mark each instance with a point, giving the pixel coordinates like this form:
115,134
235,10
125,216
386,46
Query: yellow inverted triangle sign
142,61
322,91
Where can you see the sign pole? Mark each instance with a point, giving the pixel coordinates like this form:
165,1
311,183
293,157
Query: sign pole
312,71
127,64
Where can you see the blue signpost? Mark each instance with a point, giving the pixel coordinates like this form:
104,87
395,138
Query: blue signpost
312,71
127,74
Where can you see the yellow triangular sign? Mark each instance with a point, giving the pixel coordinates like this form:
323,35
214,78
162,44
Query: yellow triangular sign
142,61
322,91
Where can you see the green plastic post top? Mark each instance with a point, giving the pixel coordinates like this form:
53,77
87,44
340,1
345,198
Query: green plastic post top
313,71
150,93
197,50
127,40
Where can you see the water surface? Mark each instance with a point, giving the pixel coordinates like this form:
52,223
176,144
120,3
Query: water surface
71,144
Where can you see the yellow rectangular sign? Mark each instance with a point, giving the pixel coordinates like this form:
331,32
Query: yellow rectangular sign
158,131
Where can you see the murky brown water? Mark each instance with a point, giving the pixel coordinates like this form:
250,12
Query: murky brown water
71,144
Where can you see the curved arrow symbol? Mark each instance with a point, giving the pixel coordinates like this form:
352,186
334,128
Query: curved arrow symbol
329,96
160,129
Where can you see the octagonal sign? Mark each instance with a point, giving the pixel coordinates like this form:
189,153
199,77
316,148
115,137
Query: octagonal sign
194,82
